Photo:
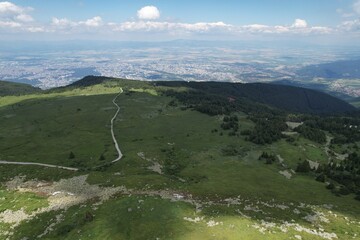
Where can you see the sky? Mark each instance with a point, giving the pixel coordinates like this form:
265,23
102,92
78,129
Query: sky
325,21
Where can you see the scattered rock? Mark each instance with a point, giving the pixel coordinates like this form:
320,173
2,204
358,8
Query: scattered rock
286,174
212,223
194,220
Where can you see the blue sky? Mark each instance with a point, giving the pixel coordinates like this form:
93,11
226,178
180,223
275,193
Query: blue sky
172,19
236,12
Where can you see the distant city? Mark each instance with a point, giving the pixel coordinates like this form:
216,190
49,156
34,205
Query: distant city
54,65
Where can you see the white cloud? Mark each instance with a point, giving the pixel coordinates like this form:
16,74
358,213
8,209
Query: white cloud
356,6
64,23
14,18
256,28
93,22
299,23
352,25
9,12
148,13
35,29
10,8
24,18
321,30
298,27
148,26
9,24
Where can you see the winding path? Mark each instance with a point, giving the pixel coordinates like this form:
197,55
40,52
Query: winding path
38,164
120,155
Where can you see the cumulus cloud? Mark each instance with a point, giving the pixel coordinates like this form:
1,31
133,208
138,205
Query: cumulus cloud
148,13
93,22
66,24
14,18
10,24
353,22
171,27
177,28
35,29
352,25
10,8
298,27
24,18
14,15
299,23
62,22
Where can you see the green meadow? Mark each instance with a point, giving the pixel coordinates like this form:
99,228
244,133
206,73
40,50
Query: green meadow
185,177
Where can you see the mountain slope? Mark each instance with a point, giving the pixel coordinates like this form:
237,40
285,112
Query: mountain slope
11,88
185,174
289,98
322,87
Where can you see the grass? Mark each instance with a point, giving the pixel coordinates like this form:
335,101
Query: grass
208,173
141,217
87,91
12,200
11,88
122,218
47,127
301,150
48,130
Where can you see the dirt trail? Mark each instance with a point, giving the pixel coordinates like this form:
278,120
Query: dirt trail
38,164
120,155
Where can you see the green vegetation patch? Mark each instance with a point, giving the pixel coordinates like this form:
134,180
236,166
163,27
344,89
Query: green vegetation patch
29,202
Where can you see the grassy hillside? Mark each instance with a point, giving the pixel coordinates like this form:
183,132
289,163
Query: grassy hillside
184,174
11,89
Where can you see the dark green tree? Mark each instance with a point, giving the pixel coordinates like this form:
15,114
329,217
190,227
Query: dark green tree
303,167
71,155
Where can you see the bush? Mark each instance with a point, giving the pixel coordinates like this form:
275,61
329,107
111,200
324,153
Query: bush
102,157
344,190
303,167
269,158
321,178
330,186
65,229
230,150
357,197
71,155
